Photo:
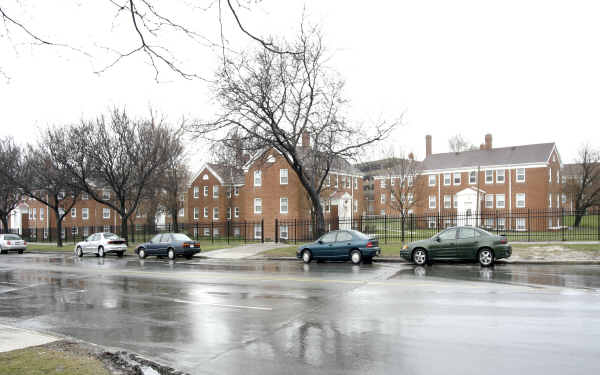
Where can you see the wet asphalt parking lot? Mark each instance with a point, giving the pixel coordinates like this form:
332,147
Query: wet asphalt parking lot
274,317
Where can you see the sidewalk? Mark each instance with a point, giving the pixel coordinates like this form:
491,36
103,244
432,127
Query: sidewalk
12,338
239,252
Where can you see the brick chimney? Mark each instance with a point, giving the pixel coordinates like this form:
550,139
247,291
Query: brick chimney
488,141
305,139
427,145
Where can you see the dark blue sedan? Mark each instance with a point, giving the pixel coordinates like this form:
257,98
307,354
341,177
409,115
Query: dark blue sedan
170,245
341,245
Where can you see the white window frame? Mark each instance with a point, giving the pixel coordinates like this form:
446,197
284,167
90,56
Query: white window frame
489,173
564,198
196,192
348,183
382,183
500,176
41,213
355,183
182,212
257,178
500,201
215,191
474,175
257,206
489,201
205,190
257,231
355,203
229,213
432,201
447,201
549,175
236,212
283,176
520,199
205,212
236,190
105,195
549,200
454,175
73,212
105,213
432,179
85,196
382,198
206,232
521,223
447,179
283,231
196,213
283,205
455,201
520,175
558,176
215,213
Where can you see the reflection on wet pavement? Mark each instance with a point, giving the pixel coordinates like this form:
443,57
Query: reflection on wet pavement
266,317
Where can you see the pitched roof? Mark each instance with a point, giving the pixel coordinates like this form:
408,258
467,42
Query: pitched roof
527,154
384,167
229,174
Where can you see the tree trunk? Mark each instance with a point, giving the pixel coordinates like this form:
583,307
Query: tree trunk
403,228
319,218
4,219
578,216
59,240
124,229
175,221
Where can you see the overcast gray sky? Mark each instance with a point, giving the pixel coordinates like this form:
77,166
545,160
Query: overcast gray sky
526,71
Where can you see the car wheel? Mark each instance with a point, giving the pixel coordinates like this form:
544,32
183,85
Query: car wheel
368,260
188,257
3,251
486,257
356,257
141,253
79,251
120,254
420,257
101,252
19,251
171,254
306,256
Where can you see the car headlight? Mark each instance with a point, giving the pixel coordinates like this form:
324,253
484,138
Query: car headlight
404,247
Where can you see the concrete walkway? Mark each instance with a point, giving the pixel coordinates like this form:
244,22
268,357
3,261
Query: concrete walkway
12,338
240,252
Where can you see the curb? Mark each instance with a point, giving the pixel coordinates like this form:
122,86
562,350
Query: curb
500,261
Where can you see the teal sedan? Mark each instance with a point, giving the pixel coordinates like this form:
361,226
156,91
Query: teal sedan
341,245
465,243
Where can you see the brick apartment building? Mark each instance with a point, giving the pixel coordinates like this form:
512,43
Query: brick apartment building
484,182
266,189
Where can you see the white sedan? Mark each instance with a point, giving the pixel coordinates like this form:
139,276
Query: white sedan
100,244
12,242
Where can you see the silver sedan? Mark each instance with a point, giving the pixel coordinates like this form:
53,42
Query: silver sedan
12,242
100,244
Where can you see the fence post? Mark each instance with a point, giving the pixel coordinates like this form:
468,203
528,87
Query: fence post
276,230
598,223
385,229
528,225
262,230
562,223
295,232
212,231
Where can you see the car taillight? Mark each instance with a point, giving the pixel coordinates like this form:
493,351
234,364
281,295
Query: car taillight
24,242
369,244
8,243
186,245
503,240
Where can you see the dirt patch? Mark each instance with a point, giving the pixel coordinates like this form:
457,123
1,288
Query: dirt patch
116,363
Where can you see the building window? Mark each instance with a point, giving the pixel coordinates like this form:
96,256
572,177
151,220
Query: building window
283,205
236,212
521,200
431,223
328,206
182,197
558,177
549,222
74,231
447,201
283,232
392,181
382,182
196,192
520,223
355,205
410,198
432,180
549,200
472,177
489,222
328,183
105,195
549,175
489,201
455,201
382,213
355,183
85,213
500,201
73,212
520,174
205,191
41,214
85,196
257,178
337,180
564,198
86,231
283,176
501,223
236,190
257,205
392,197
181,212
383,198
348,182
106,213
489,177
457,178
500,176
205,212
228,193
196,213
216,232
215,191
447,179
61,195
257,231
206,232
61,211
410,180
432,201
216,213
557,200
228,212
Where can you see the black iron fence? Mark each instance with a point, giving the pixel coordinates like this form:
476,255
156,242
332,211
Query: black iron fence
517,225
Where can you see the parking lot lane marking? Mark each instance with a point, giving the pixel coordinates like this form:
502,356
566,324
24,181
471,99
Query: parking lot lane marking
222,305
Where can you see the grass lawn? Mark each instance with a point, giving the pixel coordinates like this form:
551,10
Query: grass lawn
45,361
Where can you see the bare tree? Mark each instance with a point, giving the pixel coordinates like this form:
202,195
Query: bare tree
403,183
458,143
173,185
121,154
583,185
275,99
46,181
10,155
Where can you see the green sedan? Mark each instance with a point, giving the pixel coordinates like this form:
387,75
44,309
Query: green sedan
466,243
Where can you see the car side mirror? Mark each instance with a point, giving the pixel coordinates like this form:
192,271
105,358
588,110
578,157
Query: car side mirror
320,242
438,239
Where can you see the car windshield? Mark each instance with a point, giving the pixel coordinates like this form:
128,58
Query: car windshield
110,236
11,237
180,237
